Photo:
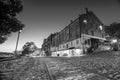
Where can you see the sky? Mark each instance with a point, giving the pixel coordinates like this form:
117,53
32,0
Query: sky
43,17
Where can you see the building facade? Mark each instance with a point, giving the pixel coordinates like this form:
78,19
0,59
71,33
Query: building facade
82,34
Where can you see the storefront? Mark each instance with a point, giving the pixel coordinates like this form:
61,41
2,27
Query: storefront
91,43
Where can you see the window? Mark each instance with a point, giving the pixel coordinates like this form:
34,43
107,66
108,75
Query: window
102,35
67,45
92,33
60,46
89,41
86,31
77,41
71,43
91,25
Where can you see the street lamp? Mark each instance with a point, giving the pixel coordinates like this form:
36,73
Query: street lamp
85,21
114,41
101,28
17,42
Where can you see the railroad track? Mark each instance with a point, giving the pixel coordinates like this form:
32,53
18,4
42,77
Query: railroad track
66,70
7,69
48,71
51,68
110,78
8,59
29,66
113,75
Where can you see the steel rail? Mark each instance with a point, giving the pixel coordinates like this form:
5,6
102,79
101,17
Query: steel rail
8,59
103,75
92,71
49,74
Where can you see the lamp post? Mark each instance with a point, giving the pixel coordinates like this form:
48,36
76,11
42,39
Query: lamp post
17,42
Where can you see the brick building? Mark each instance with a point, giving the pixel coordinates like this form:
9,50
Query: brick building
82,34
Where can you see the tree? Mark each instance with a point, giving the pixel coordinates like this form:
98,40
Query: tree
29,48
113,30
8,21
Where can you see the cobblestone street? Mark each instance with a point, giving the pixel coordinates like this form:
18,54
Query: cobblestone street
61,70
91,67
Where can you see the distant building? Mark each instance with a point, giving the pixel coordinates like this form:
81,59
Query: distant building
80,35
48,43
36,53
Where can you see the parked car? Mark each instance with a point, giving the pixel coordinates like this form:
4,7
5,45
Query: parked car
115,47
105,46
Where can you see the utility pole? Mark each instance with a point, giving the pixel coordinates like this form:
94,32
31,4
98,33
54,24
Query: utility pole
17,42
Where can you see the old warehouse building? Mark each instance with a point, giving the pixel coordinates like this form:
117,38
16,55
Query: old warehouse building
82,34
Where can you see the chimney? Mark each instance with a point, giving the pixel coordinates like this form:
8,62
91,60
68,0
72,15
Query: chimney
86,10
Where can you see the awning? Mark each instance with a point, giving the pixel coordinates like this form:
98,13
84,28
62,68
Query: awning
90,36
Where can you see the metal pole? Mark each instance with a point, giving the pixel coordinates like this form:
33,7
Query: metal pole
17,43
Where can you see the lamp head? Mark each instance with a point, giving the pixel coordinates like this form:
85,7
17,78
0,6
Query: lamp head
20,30
101,27
85,21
